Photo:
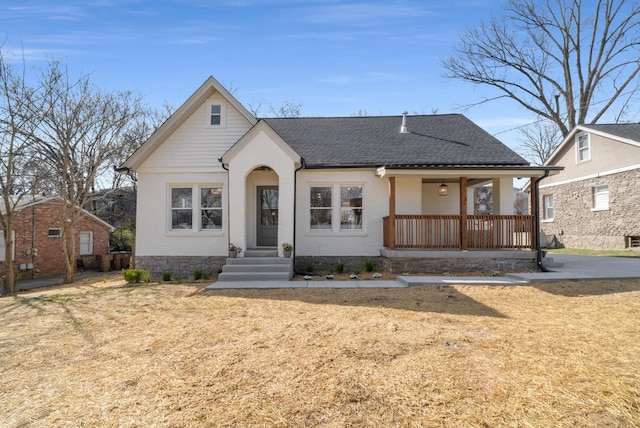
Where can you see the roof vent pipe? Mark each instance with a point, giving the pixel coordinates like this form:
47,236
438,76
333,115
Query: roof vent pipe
403,127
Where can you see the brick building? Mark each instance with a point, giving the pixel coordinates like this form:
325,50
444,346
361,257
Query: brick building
38,239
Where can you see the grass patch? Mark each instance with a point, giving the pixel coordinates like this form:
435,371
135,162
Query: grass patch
557,354
583,252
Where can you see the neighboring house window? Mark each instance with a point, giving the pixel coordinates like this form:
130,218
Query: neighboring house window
351,207
86,243
582,148
211,207
547,206
601,198
2,247
196,208
216,114
336,206
320,203
55,232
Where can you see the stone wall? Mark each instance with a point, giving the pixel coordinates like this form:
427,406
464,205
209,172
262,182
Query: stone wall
327,263
183,266
575,225
425,265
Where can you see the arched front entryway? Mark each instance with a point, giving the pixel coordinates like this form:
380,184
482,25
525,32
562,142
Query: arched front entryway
262,216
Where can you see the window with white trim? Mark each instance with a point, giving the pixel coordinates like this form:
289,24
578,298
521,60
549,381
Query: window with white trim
351,207
86,243
2,247
600,198
55,232
336,207
215,117
583,152
547,207
320,207
195,208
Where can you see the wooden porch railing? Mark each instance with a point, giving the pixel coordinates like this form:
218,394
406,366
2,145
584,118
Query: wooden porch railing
444,231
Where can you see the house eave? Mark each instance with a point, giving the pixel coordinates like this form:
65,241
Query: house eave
476,171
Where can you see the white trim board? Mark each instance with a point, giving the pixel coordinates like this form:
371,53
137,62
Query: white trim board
590,176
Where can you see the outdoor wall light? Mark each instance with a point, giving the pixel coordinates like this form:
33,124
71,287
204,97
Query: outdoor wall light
443,190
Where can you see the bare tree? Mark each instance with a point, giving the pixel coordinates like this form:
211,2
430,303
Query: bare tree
20,112
554,57
80,139
539,141
289,108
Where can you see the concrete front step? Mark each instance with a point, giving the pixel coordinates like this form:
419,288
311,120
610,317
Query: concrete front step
258,261
257,269
254,276
261,253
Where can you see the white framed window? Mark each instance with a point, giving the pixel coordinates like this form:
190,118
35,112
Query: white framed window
86,244
55,232
321,211
547,207
195,208
350,207
216,115
3,254
336,207
210,208
600,198
583,149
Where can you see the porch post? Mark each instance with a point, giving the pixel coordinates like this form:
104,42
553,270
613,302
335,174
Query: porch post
392,213
464,242
533,204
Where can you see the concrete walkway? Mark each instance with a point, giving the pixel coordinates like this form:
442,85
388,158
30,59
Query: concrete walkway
562,267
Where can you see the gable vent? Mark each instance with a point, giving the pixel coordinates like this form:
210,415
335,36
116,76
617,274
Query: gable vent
403,127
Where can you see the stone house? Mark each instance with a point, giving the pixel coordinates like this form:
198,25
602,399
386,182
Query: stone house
594,202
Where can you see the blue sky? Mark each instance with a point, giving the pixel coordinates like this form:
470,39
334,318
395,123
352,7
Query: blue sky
336,57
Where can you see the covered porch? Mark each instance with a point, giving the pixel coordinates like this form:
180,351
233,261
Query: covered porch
435,210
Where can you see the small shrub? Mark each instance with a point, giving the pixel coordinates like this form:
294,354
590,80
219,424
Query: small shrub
219,271
340,267
166,276
357,271
368,266
198,274
136,275
310,267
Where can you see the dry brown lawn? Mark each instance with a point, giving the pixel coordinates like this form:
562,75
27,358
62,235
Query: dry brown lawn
110,355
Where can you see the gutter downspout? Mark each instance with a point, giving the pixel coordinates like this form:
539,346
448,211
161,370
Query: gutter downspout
536,198
295,208
228,206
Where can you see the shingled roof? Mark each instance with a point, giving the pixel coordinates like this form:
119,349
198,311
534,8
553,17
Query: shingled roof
432,141
630,131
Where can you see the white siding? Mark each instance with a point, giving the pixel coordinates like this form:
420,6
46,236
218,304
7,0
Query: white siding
153,237
365,242
196,144
434,204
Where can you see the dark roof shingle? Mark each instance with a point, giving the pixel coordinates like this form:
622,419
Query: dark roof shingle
433,140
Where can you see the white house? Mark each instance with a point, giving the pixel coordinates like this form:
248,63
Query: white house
390,189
